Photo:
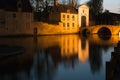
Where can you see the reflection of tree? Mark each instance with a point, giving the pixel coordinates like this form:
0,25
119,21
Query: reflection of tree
95,58
55,53
42,67
15,68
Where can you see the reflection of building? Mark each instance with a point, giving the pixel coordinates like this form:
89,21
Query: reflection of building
70,45
83,53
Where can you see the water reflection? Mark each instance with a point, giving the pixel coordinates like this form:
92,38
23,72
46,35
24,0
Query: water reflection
63,57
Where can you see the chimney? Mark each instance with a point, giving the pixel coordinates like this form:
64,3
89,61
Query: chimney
73,3
55,2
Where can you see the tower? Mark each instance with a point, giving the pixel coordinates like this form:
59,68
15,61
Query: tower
83,15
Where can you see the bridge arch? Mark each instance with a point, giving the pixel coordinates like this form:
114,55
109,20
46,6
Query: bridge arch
85,31
104,31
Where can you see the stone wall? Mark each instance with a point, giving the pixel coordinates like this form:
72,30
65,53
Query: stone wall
21,23
45,29
16,23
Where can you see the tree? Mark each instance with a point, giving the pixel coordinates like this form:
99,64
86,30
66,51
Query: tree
96,6
38,5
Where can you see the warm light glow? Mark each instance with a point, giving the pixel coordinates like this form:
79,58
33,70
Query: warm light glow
119,34
68,45
83,54
83,10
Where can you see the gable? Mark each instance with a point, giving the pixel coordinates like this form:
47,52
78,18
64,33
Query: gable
83,6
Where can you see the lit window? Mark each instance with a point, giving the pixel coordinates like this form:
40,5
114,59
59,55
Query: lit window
68,16
63,24
73,18
67,24
73,24
63,17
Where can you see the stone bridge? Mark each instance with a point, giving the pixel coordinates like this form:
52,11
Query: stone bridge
111,29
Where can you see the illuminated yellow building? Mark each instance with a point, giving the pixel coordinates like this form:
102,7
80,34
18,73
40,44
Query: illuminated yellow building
69,21
68,18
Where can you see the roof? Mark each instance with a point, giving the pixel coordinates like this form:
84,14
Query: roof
64,8
83,5
11,5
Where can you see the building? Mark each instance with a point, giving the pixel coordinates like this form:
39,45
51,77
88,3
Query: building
66,19
61,19
16,19
108,18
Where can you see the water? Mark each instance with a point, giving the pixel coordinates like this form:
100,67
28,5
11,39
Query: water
61,57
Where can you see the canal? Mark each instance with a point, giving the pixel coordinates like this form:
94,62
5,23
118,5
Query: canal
60,57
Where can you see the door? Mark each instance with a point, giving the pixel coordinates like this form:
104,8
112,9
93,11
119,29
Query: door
83,21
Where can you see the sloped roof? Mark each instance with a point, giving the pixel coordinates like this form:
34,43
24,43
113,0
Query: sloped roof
83,5
64,8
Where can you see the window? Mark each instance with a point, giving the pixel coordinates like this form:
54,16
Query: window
63,17
2,22
63,24
68,16
73,18
73,24
67,24
83,11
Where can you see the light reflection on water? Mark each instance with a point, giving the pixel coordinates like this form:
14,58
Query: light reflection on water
61,57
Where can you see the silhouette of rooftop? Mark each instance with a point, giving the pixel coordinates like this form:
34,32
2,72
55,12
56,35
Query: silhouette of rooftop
11,5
